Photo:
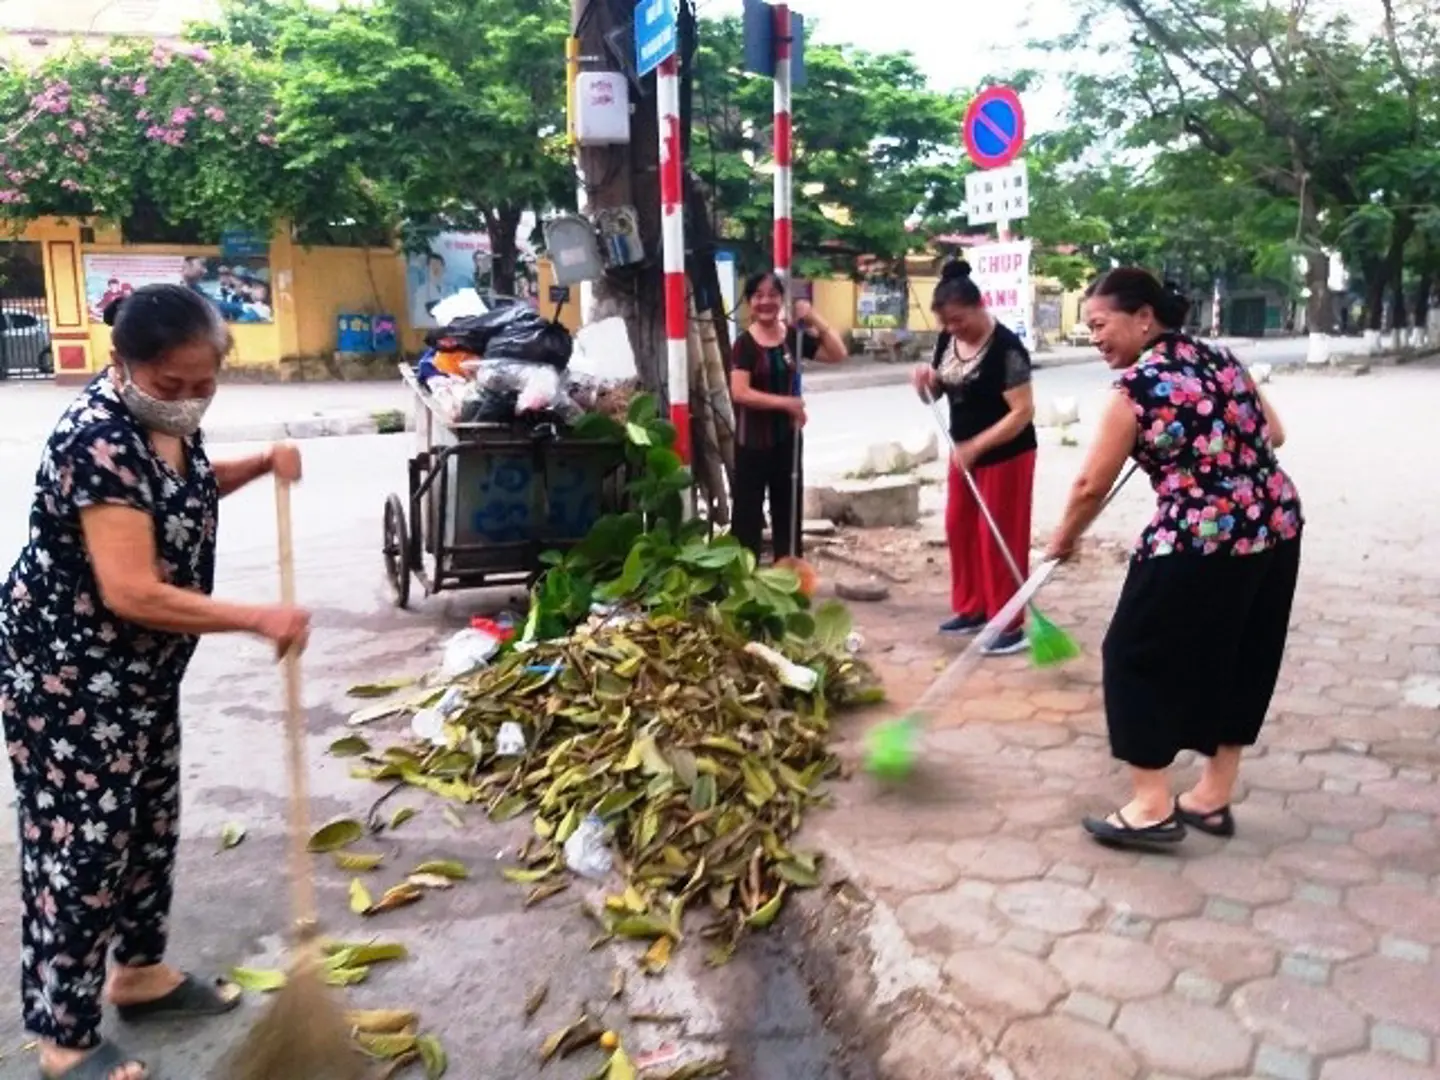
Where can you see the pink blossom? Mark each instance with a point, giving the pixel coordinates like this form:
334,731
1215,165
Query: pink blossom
51,138
141,87
70,185
182,116
77,127
16,177
155,132
9,197
198,53
106,62
266,140
143,114
79,153
215,113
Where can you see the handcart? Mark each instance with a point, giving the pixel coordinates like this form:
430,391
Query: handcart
486,501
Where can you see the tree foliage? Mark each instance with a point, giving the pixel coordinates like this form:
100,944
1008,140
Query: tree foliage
1264,132
875,148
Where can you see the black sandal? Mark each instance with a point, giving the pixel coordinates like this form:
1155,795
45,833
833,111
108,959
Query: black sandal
1219,823
190,1000
1169,831
100,1064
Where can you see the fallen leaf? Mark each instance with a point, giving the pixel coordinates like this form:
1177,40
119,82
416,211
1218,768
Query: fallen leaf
335,835
551,1046
399,1065
526,877
402,815
617,984
765,914
231,836
379,689
371,952
360,899
544,891
257,980
454,819
431,881
386,1047
536,999
381,1021
434,1057
349,746
446,868
355,862
397,897
620,1066
346,976
657,957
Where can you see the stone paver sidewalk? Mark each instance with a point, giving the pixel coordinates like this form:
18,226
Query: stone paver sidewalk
1002,942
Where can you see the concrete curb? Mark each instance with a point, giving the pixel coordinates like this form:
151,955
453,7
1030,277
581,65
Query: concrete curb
316,426
892,1003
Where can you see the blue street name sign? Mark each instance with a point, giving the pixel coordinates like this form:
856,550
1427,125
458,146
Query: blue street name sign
656,34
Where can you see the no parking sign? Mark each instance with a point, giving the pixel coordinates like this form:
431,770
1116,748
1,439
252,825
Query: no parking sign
994,127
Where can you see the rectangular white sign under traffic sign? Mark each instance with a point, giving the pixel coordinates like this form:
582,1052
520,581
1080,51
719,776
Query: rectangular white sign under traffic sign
1002,194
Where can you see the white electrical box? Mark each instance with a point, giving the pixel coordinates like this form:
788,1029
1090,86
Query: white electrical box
602,108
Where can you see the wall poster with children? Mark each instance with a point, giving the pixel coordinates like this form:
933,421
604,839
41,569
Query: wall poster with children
238,287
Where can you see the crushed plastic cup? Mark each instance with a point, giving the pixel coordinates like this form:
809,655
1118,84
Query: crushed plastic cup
854,642
586,852
510,740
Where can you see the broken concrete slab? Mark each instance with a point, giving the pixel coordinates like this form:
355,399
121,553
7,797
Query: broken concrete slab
863,592
887,501
905,455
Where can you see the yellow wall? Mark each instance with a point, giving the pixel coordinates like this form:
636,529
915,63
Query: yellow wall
325,283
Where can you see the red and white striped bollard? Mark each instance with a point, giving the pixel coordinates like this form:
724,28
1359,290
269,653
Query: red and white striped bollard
672,233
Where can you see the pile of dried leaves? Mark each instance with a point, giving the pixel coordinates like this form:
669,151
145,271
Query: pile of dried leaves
697,759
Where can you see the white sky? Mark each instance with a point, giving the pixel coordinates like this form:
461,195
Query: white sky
955,42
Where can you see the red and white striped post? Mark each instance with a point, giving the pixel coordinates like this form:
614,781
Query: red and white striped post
784,138
672,234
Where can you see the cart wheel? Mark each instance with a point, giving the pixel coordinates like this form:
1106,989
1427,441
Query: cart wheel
397,551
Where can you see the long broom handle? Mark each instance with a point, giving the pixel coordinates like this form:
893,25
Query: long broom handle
797,512
302,883
979,499
958,670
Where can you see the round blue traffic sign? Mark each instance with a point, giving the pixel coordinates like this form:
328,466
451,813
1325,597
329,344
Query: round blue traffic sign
994,127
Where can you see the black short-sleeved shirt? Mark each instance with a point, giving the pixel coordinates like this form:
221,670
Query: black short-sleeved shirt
976,390
772,371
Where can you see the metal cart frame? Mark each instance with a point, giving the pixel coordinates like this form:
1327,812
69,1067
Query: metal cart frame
424,536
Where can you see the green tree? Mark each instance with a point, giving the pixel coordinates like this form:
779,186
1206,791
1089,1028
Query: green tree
875,151
177,140
439,113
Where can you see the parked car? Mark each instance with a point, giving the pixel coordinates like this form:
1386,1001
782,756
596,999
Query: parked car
25,342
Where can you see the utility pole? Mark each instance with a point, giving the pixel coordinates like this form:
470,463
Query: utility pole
615,176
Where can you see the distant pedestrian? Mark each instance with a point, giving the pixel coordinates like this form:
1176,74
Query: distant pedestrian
770,413
983,370
1195,646
101,616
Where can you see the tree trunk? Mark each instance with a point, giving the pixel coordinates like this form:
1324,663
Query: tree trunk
1422,298
502,225
1395,268
1374,271
629,175
1319,311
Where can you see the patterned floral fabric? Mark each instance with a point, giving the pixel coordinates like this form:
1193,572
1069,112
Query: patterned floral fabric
90,705
1205,444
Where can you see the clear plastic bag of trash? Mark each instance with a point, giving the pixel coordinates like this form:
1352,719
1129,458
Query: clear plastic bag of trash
539,389
510,740
467,652
586,852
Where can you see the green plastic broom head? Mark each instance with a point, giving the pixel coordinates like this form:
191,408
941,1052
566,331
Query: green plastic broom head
1049,645
890,748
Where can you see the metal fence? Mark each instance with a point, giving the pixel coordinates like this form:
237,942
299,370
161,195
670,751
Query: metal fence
25,348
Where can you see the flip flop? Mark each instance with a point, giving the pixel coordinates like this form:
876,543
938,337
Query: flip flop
1219,823
99,1065
190,1000
1169,831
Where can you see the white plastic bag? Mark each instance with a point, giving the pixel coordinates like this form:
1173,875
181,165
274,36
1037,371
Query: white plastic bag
466,652
538,391
510,740
586,852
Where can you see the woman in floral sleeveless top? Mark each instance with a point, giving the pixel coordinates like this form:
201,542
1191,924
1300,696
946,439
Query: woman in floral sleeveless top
1194,649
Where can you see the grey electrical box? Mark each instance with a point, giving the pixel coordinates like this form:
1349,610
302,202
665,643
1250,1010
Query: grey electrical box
574,253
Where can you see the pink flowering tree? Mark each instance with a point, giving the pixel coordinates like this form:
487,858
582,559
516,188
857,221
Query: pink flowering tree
181,136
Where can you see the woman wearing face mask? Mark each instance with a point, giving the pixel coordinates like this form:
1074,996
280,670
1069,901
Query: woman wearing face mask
101,615
1194,648
769,413
983,370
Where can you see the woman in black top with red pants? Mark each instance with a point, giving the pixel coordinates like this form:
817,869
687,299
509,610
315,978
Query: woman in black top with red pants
983,369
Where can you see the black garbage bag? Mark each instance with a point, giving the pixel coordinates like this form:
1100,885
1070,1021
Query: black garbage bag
514,331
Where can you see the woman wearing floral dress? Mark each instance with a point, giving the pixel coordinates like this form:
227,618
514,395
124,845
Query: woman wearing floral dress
1195,646
100,618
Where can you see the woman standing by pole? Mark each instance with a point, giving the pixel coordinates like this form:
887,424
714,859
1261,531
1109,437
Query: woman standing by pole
1194,648
983,370
769,414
